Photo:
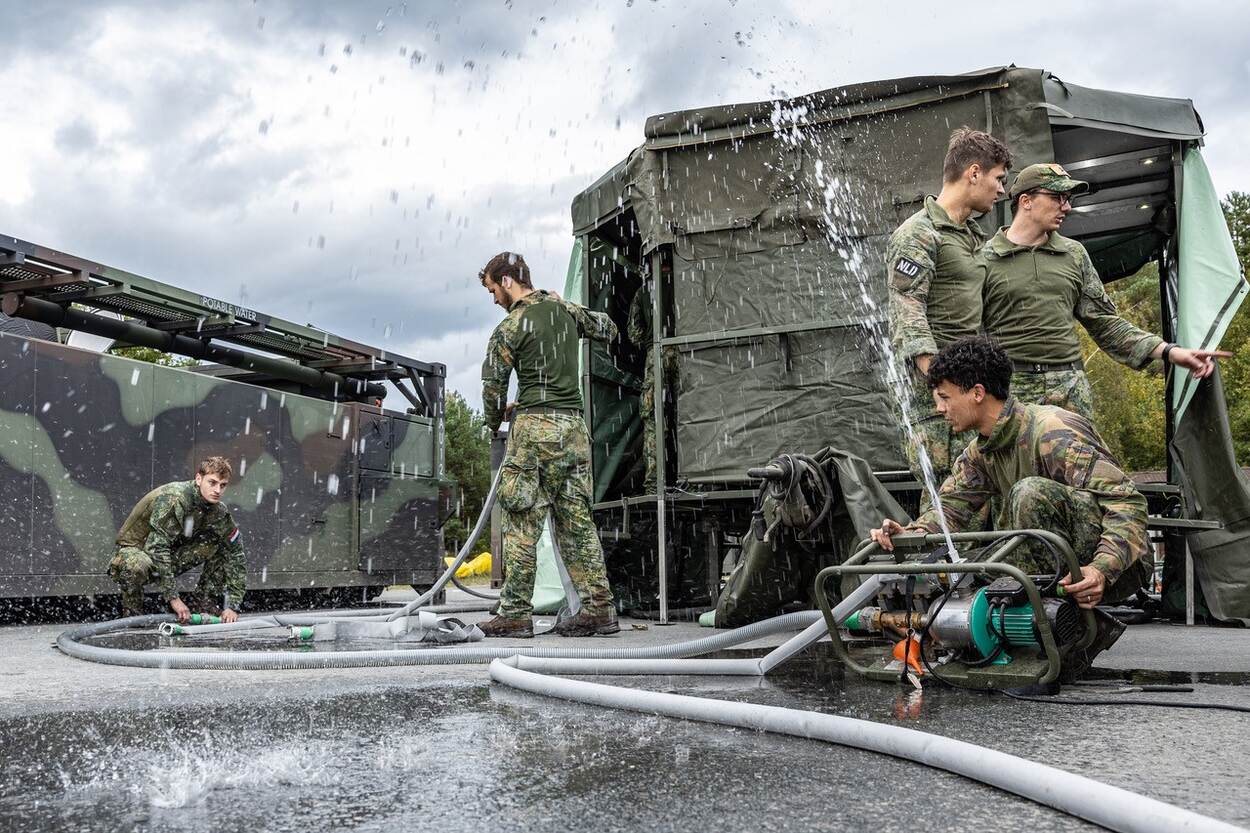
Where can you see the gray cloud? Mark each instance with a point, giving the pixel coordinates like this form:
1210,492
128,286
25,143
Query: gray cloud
219,152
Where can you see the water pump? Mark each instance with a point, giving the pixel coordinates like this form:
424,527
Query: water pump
933,620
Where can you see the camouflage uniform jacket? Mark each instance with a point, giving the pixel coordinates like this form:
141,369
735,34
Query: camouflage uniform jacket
1034,296
174,515
1042,441
936,276
539,340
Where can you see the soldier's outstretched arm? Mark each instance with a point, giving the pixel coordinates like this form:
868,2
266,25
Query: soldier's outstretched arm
598,326
909,259
1127,344
962,495
496,369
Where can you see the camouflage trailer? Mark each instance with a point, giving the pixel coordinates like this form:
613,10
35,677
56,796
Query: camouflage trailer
330,490
762,228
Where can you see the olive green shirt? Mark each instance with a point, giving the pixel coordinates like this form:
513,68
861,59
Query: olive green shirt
936,277
1035,296
539,339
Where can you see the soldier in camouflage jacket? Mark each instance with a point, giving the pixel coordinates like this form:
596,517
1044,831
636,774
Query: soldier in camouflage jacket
178,527
1049,467
936,274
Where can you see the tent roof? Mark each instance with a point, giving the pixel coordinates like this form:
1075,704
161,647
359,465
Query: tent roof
1065,104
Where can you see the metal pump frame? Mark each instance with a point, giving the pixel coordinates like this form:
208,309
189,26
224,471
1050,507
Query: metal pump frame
991,565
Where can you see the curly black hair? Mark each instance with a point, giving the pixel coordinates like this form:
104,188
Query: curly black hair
974,360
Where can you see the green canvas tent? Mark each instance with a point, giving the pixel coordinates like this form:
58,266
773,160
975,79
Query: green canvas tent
763,226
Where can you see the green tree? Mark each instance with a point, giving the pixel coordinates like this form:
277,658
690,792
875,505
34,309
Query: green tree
468,461
150,354
1235,372
1128,405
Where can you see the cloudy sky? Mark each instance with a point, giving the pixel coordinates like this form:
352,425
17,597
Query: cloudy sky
352,165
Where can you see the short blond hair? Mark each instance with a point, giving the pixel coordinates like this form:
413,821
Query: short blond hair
219,466
970,147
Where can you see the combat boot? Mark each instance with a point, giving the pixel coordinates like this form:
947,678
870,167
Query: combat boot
502,626
586,623
1108,629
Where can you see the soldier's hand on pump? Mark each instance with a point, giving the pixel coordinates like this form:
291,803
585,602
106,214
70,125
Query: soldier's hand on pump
180,610
229,615
1088,591
882,534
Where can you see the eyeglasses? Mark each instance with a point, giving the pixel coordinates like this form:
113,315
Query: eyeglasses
1062,199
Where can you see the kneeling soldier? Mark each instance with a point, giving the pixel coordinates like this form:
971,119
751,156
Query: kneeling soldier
175,528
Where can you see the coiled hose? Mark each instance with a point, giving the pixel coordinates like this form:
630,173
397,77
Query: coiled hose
70,643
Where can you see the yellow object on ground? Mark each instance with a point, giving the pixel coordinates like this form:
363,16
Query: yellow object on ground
478,565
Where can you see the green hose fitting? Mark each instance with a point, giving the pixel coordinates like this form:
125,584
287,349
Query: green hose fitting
204,619
304,634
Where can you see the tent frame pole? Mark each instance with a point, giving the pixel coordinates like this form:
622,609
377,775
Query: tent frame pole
661,444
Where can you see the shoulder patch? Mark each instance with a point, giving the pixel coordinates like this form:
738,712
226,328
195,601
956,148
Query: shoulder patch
233,536
907,266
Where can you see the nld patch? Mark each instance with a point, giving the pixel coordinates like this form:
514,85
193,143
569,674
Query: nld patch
907,266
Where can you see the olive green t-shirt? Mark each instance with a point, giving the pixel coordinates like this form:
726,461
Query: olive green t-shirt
539,340
1035,296
936,279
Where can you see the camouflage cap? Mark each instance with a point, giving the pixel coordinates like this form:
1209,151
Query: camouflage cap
1048,175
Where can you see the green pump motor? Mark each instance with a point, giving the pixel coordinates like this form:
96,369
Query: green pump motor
998,616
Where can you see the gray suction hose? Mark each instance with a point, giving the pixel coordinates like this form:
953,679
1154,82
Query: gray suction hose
461,556
69,643
1102,804
282,620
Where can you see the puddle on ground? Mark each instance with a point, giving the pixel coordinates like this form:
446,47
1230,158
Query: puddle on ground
468,755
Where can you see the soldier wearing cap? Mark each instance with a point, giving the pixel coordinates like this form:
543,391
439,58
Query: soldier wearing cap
1038,284
936,276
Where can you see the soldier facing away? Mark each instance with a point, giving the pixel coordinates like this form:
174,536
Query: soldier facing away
547,466
175,528
1038,284
1049,467
936,275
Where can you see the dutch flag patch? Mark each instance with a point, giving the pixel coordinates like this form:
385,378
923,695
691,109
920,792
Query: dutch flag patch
233,536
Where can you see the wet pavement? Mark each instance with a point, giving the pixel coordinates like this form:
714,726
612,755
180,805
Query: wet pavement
90,747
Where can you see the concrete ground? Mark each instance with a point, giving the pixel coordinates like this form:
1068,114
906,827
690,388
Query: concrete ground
96,747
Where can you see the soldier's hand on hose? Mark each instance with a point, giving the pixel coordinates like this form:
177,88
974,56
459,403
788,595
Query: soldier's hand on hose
509,411
882,534
1088,591
180,610
229,615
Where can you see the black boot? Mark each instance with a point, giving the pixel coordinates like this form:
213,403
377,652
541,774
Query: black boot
586,623
502,626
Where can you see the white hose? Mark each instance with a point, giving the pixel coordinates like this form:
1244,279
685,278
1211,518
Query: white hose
1102,804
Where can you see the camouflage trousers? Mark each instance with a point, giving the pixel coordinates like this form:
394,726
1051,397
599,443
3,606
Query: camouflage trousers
932,433
1042,503
548,469
646,411
1068,389
132,568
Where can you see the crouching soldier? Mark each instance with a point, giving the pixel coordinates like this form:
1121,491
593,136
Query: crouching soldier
175,528
1049,468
